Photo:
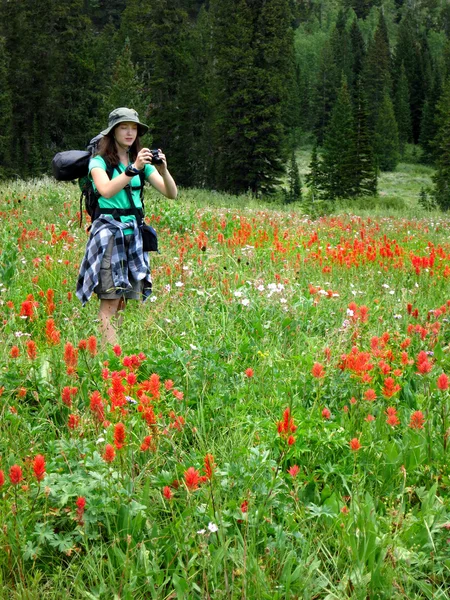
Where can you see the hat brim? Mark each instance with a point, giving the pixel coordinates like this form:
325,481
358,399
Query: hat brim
142,128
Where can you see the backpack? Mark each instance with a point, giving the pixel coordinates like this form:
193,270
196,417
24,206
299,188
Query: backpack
74,164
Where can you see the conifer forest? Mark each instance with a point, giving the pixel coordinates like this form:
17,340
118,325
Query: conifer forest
231,89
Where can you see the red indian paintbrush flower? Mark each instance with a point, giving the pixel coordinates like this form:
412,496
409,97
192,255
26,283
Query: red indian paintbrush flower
443,382
2,478
81,505
191,478
392,418
318,371
92,345
417,420
249,372
15,352
15,474
39,467
355,444
119,435
294,471
109,453
117,350
209,465
326,414
31,349
167,492
73,421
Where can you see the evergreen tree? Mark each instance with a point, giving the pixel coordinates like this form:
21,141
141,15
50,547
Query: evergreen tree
5,114
377,70
402,111
361,7
339,151
314,177
386,136
441,178
412,54
252,48
341,44
125,87
325,92
358,49
428,125
294,191
364,169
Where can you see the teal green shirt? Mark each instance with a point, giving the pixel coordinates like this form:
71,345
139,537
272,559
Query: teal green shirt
120,200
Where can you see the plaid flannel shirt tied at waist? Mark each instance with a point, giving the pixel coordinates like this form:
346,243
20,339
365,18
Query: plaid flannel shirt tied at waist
124,260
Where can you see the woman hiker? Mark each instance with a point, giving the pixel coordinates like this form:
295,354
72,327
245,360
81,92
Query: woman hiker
115,265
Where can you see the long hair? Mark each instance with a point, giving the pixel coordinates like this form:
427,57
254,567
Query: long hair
107,149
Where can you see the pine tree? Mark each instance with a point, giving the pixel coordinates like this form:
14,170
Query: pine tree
428,124
125,88
358,48
402,111
294,191
441,178
325,93
361,7
6,158
364,167
314,178
377,69
339,151
252,49
412,53
386,136
342,48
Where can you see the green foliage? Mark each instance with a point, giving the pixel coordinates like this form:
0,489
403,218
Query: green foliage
442,177
402,111
294,191
386,136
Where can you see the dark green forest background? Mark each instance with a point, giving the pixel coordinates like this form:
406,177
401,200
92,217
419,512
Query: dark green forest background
231,88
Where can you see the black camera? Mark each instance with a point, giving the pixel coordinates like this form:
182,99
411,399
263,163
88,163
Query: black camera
155,157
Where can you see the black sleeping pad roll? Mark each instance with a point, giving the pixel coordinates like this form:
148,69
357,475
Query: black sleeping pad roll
70,165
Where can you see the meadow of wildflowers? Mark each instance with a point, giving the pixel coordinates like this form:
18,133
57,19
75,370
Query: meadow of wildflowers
274,422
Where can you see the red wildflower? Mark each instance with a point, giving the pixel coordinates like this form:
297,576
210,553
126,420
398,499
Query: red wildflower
294,471
318,371
119,435
392,418
82,345
178,394
417,420
81,505
15,474
191,478
51,333
370,395
355,444
249,372
92,345
27,309
15,352
109,453
209,465
369,418
96,405
66,396
70,355
423,364
443,382
244,506
39,467
31,349
147,443
167,492
291,440
390,387
168,384
73,421
326,414
117,350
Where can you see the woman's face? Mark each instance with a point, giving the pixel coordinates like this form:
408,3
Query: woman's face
125,134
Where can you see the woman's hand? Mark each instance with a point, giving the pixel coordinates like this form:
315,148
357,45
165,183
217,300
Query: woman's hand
143,158
162,167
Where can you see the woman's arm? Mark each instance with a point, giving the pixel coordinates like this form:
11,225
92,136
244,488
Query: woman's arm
108,187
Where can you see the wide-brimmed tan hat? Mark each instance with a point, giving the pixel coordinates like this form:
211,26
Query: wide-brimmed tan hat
124,115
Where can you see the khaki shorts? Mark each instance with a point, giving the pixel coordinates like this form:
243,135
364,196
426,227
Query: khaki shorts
106,289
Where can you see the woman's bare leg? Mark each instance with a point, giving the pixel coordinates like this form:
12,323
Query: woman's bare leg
108,311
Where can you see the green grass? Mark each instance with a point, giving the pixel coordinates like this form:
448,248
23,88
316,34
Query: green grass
239,285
